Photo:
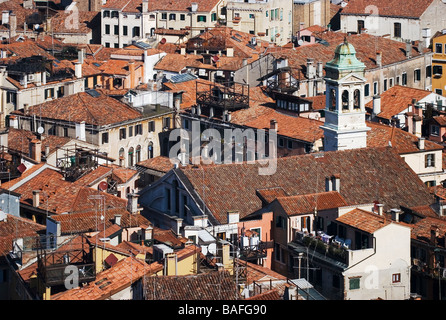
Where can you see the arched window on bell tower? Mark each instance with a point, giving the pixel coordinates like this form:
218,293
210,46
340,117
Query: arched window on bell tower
332,104
357,100
345,100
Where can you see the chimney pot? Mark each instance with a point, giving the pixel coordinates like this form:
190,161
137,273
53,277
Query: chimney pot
36,198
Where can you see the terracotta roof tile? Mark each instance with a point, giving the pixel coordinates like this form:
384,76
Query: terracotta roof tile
122,275
160,163
363,180
364,220
402,141
16,227
397,99
182,5
412,9
101,110
217,285
308,203
272,294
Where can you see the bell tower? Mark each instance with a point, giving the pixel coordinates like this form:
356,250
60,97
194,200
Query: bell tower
344,126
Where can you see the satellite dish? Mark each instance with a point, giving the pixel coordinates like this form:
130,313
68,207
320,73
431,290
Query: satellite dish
103,186
163,41
300,42
40,130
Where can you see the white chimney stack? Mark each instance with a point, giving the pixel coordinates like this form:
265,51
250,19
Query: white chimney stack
80,131
376,104
36,198
78,70
421,143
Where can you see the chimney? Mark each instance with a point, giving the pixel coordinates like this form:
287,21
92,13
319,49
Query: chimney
233,216
178,225
200,221
417,125
13,24
44,77
421,143
310,68
145,6
3,216
435,232
395,214
320,69
132,73
229,52
35,150
379,59
376,104
408,49
148,232
183,51
78,70
118,219
273,125
80,131
47,150
194,7
80,56
13,122
132,203
36,198
380,208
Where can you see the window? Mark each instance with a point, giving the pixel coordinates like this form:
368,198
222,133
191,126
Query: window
116,45
367,90
281,142
439,91
289,144
172,16
214,17
138,129
105,137
438,71
428,71
354,283
404,79
166,122
152,126
106,14
375,88
107,29
397,30
107,44
114,14
122,133
360,26
125,31
131,157
345,100
182,17
417,75
390,82
121,157
280,222
135,32
49,93
396,277
385,84
116,29
435,130
251,16
430,160
356,100
164,16
201,18
438,48
11,97
130,131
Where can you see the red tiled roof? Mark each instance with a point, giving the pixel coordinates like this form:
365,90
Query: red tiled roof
16,227
392,8
366,46
402,141
364,220
308,203
182,5
270,194
134,6
397,99
59,25
363,180
217,285
160,163
122,275
272,294
120,174
82,106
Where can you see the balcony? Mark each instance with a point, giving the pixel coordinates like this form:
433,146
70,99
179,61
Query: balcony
330,250
252,253
52,266
231,98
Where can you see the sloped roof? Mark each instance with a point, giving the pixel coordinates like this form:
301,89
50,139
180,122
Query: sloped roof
307,203
364,220
363,179
100,110
182,5
122,275
402,141
217,285
397,99
389,8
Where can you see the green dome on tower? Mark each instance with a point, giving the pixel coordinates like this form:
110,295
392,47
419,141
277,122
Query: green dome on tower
345,60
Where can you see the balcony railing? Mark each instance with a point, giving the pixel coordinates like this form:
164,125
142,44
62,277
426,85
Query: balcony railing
330,250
